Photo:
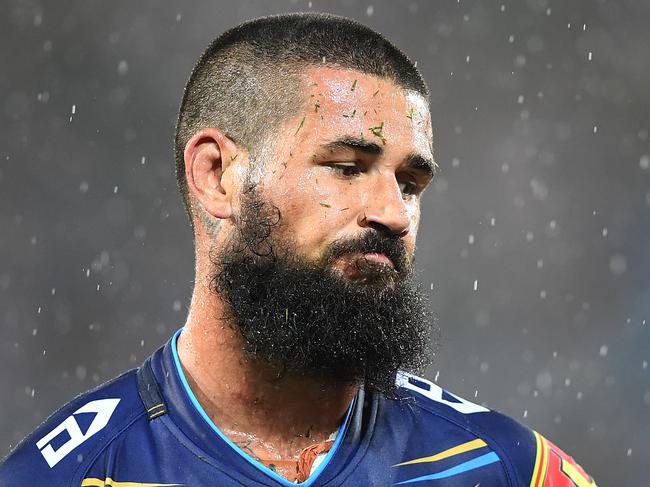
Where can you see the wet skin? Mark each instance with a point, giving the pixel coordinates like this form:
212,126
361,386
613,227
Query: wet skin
359,155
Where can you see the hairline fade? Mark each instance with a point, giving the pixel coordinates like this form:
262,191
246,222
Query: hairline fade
248,80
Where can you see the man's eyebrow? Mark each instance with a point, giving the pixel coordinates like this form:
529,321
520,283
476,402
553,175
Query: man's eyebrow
413,161
423,164
355,143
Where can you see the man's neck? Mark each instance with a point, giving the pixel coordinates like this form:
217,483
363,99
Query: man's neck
269,417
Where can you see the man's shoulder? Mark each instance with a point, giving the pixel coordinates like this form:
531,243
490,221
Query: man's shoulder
447,406
65,445
525,454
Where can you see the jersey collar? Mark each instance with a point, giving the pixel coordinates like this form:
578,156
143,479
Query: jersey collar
193,422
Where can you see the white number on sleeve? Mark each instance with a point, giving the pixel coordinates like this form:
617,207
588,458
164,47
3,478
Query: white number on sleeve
103,409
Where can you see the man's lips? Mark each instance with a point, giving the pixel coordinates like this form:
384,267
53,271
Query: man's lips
355,265
379,258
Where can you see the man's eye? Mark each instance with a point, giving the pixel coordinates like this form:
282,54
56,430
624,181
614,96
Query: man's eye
408,188
345,169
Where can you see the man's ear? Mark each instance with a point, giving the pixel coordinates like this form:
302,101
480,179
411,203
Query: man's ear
208,155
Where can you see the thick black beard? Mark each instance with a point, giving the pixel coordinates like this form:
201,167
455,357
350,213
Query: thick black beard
305,319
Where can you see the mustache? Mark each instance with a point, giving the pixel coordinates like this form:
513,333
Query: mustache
372,242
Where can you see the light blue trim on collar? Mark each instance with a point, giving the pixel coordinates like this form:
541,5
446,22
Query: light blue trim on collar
263,468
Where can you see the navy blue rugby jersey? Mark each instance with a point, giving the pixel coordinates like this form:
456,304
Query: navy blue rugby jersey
146,429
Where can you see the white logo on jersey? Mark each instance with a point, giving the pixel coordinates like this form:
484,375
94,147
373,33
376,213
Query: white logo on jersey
104,410
434,392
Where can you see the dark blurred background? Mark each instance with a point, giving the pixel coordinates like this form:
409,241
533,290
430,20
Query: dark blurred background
535,238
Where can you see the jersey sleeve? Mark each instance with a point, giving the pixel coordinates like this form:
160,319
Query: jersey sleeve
62,449
529,459
554,468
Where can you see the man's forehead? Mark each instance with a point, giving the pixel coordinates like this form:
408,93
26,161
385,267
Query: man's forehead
344,85
362,104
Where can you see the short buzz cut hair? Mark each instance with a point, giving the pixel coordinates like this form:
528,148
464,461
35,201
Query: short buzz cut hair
248,81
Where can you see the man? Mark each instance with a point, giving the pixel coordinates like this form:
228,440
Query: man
303,147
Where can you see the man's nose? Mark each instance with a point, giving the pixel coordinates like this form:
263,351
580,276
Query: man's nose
386,211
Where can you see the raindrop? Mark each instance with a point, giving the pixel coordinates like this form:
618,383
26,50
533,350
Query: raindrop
83,186
604,231
475,284
540,191
177,305
80,372
455,162
470,239
544,380
511,39
370,10
122,67
143,160
590,56
603,351
435,379
618,264
644,162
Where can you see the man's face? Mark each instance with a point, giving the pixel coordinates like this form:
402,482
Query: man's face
317,265
357,157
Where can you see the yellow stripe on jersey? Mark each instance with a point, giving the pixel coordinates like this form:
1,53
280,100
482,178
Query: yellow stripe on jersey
109,482
538,461
575,476
456,450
